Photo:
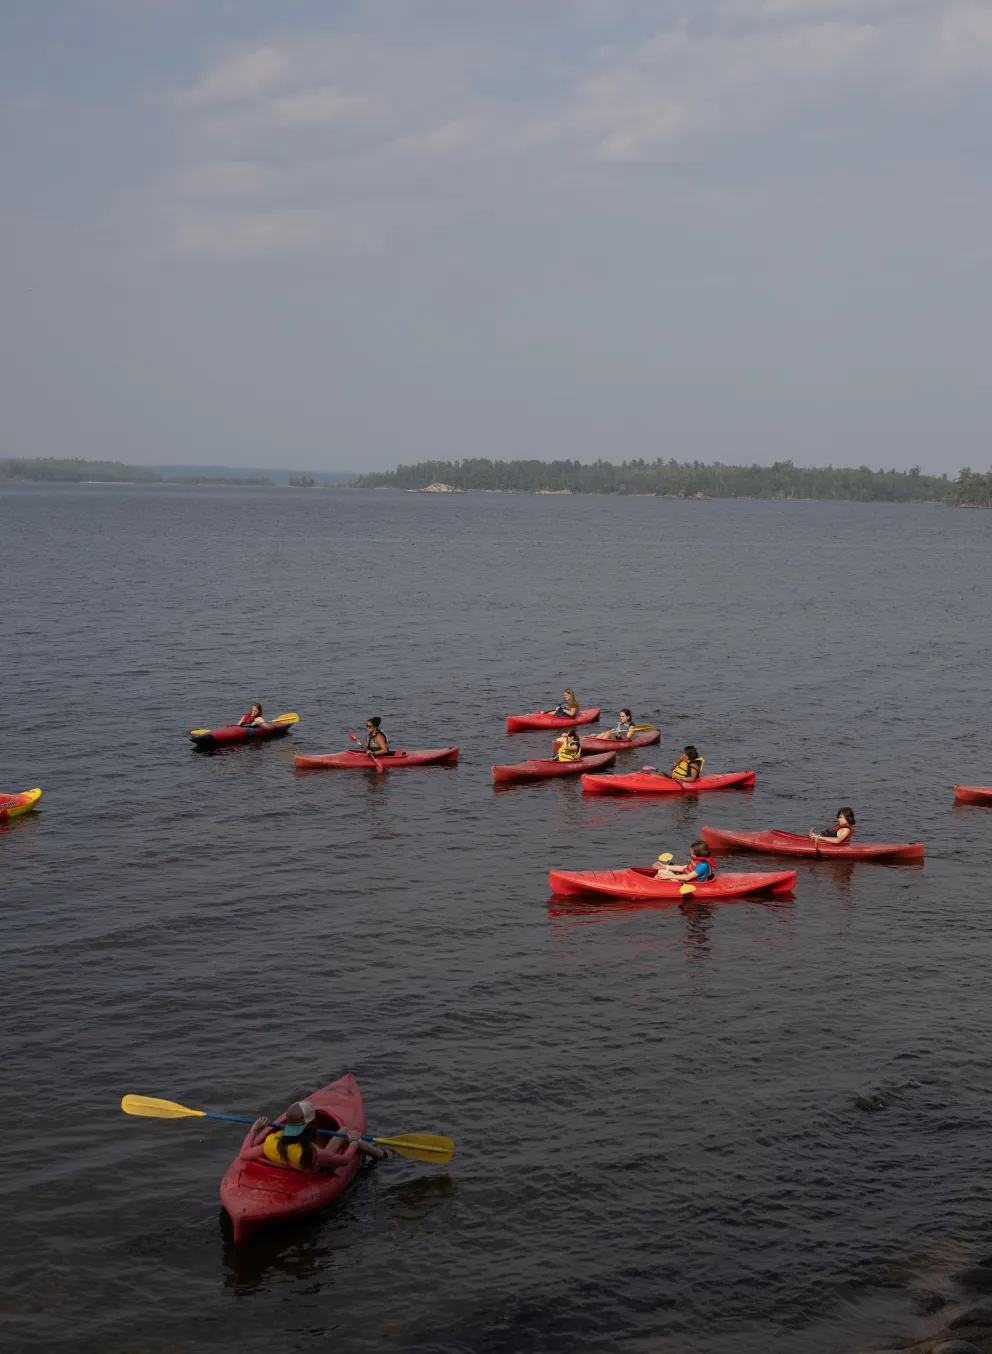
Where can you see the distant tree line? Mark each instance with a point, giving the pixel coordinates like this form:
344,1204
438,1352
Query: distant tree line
78,471
971,491
678,479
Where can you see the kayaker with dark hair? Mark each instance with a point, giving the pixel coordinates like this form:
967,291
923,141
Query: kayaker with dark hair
567,708
841,832
701,868
620,733
376,741
689,766
254,716
570,749
294,1146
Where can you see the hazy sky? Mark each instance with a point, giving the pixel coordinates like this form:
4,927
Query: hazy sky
342,235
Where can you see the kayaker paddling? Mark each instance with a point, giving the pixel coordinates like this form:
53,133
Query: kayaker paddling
687,768
570,749
841,832
293,1144
376,743
621,732
567,708
700,869
254,716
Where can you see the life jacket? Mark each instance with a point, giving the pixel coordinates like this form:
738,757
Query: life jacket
680,770
706,860
294,1152
245,720
564,755
831,834
621,731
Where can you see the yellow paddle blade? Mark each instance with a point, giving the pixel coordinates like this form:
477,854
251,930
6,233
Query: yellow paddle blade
665,857
286,719
157,1109
687,888
642,728
198,733
421,1147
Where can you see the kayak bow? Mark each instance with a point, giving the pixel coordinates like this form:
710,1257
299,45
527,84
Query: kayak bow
12,806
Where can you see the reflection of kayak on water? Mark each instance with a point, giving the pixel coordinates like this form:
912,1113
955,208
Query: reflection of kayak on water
791,844
639,882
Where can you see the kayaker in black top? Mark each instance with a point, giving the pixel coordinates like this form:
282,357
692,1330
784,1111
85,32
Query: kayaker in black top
841,832
254,716
568,707
376,741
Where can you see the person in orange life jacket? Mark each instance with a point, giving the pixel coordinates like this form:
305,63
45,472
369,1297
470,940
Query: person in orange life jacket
254,716
567,708
621,732
701,868
376,741
841,832
294,1144
570,749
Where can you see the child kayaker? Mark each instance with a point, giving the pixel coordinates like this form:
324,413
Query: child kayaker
841,832
570,749
620,733
376,741
295,1145
701,867
254,716
568,707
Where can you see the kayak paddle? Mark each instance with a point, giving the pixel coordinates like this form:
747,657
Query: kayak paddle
281,719
416,1146
377,764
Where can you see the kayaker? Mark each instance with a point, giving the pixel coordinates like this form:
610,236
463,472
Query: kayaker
700,869
568,707
841,832
376,741
570,749
620,733
254,716
688,767
294,1145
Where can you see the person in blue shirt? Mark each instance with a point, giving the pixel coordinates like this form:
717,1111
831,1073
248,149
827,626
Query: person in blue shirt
568,706
701,868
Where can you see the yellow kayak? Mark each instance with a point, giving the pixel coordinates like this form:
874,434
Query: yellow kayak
12,806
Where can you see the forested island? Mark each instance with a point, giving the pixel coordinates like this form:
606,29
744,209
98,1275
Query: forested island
690,479
50,469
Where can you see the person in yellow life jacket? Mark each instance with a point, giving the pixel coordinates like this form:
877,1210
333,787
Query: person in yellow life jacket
570,749
841,832
689,766
293,1144
621,731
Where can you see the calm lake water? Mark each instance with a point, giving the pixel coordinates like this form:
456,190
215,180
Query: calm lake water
659,1145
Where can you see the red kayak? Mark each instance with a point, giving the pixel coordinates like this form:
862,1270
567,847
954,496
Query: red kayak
594,744
390,761
237,733
647,783
973,794
517,723
790,844
541,768
255,1193
640,883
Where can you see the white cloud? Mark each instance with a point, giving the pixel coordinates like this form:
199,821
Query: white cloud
251,234
401,106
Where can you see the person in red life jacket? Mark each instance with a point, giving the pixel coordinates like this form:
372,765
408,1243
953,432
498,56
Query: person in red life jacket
701,868
254,716
841,832
294,1144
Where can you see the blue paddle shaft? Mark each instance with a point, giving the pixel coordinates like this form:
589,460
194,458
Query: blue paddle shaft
240,1119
